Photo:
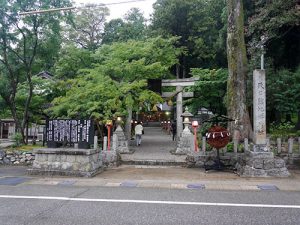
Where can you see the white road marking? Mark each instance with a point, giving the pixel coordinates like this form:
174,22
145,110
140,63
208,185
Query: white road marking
150,202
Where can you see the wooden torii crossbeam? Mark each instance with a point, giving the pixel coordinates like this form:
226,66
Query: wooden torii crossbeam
180,94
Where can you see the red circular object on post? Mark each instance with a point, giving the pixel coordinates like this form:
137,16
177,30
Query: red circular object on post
217,137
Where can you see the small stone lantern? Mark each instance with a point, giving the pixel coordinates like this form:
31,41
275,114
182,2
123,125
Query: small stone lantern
121,143
185,143
119,122
186,119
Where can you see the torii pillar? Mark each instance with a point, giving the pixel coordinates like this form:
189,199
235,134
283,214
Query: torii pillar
179,123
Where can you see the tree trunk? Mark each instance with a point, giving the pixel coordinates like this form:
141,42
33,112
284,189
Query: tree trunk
128,123
298,122
27,129
26,108
177,71
237,68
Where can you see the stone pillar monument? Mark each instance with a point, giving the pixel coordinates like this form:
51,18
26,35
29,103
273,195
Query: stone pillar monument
259,161
259,111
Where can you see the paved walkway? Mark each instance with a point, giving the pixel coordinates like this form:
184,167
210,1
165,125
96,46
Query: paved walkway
157,177
156,145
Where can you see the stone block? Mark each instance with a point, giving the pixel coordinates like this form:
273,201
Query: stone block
51,158
37,165
268,164
76,166
66,166
70,162
94,158
259,173
258,163
278,172
82,159
199,164
2,154
279,163
55,165
22,160
41,157
86,167
71,158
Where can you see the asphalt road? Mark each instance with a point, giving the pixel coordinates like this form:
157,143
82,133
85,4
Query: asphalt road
68,205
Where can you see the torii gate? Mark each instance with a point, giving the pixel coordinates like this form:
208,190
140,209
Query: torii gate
179,84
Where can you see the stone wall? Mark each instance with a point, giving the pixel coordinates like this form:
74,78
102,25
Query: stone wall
66,161
110,158
16,158
199,159
261,164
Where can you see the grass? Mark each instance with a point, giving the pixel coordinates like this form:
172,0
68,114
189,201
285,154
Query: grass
24,148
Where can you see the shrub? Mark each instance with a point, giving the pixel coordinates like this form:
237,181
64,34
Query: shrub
18,139
283,130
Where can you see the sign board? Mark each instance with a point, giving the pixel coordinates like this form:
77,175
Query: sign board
70,131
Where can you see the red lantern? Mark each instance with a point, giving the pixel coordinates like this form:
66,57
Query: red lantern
217,136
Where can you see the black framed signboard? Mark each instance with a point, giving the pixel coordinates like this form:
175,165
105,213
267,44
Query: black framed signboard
69,131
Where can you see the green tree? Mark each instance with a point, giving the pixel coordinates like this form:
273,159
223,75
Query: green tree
20,45
113,31
86,29
283,94
133,61
200,27
133,27
71,59
209,90
117,83
278,22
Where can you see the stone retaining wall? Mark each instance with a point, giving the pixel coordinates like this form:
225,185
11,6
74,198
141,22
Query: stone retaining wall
66,161
110,158
199,159
16,158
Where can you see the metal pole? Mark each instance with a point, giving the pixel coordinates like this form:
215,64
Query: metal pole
262,60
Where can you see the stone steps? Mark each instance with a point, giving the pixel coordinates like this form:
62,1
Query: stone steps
154,162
